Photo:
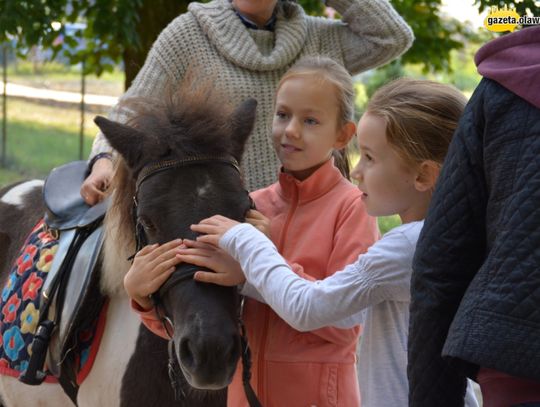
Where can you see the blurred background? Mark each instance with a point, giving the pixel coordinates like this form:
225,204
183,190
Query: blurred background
64,61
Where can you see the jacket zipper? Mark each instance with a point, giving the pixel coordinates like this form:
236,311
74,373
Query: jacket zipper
261,368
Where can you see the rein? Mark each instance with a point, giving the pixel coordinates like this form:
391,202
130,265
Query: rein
173,367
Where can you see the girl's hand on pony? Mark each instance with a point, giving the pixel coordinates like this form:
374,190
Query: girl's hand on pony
213,228
151,267
226,270
260,221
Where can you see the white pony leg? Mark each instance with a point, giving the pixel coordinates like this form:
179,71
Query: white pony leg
102,386
17,394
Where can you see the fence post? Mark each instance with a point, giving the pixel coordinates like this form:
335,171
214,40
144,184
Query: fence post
83,91
4,104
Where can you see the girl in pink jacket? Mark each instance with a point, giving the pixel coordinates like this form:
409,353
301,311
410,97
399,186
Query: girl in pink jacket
310,214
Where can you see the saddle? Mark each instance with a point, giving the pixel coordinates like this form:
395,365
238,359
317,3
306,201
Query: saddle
73,277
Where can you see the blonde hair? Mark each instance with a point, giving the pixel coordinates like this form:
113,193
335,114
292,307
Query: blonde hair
421,117
328,70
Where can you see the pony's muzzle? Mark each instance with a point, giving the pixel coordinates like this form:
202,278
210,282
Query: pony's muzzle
209,361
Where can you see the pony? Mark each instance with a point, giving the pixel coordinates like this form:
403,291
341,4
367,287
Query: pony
178,159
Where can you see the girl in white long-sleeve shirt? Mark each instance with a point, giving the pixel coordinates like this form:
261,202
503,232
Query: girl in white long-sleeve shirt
403,138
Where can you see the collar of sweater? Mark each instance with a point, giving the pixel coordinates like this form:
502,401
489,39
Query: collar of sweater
317,184
246,48
268,26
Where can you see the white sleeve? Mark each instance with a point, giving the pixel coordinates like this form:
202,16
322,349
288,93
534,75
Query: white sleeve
382,273
248,290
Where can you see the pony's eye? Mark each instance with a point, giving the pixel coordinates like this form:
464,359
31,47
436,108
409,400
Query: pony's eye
146,223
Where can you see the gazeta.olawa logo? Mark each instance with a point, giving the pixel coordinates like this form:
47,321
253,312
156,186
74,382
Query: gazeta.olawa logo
507,19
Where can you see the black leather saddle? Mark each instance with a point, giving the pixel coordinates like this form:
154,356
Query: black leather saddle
74,273
66,208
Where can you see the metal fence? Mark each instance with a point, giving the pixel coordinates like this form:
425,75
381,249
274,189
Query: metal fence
78,101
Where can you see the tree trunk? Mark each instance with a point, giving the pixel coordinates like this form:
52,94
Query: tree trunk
154,16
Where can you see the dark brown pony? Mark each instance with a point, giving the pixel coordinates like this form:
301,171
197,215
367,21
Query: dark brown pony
196,131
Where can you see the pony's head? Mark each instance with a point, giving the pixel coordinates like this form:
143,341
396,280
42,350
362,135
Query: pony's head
178,162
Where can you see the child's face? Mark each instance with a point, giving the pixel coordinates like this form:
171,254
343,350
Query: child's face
387,183
305,129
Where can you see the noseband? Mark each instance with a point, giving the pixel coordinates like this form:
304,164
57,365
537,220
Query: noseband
188,272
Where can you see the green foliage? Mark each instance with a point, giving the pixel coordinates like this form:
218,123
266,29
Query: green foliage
522,6
118,29
388,222
109,28
312,7
435,37
464,75
384,75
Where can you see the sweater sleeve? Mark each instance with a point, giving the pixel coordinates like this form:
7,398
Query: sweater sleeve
354,233
449,251
152,81
371,33
150,320
381,274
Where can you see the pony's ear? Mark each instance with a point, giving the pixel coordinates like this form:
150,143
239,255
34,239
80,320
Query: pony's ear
242,121
128,141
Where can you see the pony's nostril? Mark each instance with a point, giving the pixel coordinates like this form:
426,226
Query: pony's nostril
186,354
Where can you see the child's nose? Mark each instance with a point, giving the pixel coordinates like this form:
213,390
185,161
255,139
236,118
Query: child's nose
293,129
356,173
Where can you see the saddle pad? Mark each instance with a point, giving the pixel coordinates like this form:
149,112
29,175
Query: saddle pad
19,308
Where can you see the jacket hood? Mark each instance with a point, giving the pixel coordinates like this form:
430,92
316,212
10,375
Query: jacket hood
513,61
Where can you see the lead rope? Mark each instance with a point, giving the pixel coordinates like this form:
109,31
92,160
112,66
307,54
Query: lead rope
246,362
173,368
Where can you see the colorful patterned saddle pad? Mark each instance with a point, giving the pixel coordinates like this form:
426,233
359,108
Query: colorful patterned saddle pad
20,304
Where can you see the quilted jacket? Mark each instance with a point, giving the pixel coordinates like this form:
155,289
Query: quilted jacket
476,281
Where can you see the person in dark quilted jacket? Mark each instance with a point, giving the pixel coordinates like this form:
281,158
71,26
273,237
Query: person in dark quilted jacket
475,309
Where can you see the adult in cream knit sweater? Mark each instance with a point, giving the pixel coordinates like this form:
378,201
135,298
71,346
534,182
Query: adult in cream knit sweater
246,46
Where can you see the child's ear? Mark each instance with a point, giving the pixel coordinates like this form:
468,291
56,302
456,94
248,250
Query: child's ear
427,175
346,132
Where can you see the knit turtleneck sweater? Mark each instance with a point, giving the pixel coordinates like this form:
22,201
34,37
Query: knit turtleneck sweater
248,63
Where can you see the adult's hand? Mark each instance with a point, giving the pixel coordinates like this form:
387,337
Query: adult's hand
94,186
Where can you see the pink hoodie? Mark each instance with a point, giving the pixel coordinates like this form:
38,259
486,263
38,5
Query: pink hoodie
319,225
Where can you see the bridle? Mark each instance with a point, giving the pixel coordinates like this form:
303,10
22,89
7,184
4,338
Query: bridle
188,271
161,166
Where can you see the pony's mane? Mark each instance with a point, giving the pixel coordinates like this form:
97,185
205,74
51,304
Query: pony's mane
193,120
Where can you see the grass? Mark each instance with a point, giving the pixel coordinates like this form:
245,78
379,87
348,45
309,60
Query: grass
40,138
59,77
